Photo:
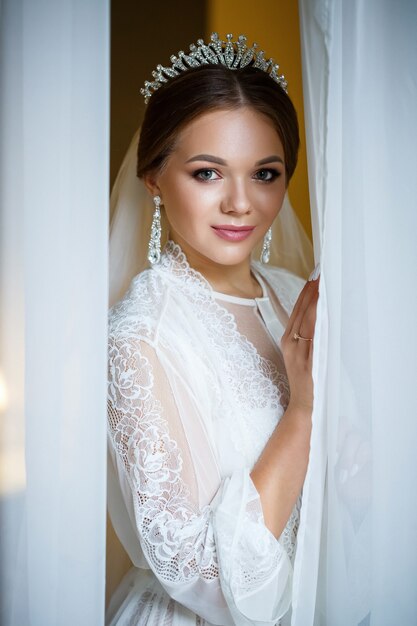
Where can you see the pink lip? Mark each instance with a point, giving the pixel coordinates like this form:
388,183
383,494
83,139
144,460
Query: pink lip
233,233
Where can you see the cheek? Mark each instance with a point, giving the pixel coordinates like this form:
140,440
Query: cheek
191,201
268,200
182,208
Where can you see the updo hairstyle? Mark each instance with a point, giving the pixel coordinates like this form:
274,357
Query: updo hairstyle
207,88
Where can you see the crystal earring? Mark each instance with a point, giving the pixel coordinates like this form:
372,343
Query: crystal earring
266,248
154,251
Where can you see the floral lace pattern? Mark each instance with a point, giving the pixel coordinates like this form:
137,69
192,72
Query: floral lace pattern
256,551
177,538
254,381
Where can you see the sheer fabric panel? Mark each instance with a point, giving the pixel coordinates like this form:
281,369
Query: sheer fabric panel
54,66
356,561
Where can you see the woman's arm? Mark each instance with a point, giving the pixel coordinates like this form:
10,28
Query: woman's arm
279,473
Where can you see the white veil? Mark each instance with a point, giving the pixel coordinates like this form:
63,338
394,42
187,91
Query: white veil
131,210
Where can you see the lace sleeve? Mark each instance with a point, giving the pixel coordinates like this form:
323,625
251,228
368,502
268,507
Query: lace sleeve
218,559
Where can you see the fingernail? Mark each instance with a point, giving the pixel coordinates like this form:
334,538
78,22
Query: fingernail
315,273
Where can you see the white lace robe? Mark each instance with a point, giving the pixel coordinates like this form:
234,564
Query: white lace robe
196,386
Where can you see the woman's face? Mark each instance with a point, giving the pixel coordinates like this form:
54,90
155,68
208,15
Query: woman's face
223,185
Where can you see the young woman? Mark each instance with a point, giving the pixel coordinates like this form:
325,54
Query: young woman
210,387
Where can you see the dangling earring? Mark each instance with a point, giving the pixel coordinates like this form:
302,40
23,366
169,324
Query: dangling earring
266,248
154,251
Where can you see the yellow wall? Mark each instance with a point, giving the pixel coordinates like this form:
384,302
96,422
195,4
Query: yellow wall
274,25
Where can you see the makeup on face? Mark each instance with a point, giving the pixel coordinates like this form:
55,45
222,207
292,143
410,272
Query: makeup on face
233,233
223,186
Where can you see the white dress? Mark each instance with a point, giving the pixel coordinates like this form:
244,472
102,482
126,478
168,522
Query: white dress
197,384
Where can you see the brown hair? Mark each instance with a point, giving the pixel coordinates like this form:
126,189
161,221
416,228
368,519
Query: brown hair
204,89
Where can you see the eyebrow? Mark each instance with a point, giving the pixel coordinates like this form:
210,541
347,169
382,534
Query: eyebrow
274,158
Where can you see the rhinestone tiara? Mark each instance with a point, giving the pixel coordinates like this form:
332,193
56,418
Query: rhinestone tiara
231,54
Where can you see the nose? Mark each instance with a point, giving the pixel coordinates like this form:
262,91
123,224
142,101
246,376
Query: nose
236,199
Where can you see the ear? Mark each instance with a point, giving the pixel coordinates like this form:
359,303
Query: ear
151,183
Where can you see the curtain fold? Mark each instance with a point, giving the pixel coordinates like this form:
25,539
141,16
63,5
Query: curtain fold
357,556
54,118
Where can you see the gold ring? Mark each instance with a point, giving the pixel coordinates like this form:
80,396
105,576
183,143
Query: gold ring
296,336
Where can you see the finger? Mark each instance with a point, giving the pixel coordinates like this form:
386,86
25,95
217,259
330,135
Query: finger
289,340
309,299
310,285
308,322
304,326
298,304
305,293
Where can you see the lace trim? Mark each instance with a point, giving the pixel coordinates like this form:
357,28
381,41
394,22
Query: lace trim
254,382
288,537
123,316
260,558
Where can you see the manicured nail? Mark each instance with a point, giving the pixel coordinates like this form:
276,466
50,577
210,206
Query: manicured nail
315,273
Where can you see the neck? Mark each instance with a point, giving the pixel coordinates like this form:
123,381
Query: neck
234,280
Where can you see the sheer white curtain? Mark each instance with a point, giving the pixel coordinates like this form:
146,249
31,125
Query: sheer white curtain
54,68
357,555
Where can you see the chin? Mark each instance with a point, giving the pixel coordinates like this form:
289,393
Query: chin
217,251
227,256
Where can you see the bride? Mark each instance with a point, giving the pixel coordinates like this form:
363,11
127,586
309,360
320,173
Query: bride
210,354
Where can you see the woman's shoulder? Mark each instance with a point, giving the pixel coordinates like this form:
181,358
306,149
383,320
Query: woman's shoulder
138,311
286,284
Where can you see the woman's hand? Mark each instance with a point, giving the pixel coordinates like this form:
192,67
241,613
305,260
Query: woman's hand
280,470
298,353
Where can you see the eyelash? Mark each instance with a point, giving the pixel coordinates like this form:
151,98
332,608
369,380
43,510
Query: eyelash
274,174
197,173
